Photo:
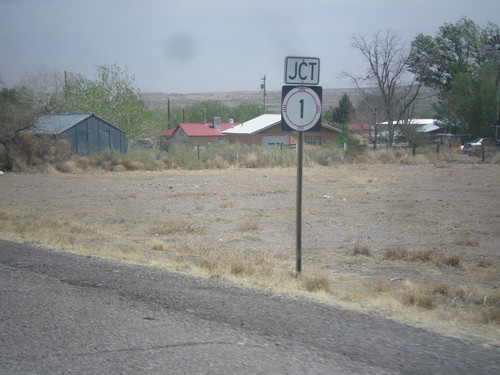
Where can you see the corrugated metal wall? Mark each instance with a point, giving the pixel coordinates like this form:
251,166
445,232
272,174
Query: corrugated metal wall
93,136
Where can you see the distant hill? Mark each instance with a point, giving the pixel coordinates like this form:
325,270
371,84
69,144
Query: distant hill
331,98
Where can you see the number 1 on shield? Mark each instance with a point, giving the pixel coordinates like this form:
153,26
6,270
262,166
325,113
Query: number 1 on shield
301,101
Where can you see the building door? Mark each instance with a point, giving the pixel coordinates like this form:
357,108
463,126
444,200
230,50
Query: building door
275,140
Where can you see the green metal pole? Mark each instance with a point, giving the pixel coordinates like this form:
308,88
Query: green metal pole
298,238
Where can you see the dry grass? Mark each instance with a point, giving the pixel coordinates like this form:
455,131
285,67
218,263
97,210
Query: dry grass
412,248
178,228
250,224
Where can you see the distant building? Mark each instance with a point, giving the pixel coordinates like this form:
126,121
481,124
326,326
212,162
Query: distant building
86,133
197,134
362,132
431,128
265,130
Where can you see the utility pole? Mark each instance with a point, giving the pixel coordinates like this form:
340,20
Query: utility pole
263,87
168,113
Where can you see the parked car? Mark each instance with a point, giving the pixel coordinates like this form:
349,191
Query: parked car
475,146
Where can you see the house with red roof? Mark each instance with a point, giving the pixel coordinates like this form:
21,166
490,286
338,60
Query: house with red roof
198,134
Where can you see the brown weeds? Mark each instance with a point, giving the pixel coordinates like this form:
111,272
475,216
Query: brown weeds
362,249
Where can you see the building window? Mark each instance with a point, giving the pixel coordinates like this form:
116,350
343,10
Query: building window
314,140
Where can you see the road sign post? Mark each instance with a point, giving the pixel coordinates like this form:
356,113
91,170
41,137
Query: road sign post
300,112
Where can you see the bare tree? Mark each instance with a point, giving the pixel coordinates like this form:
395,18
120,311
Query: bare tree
47,88
368,111
387,58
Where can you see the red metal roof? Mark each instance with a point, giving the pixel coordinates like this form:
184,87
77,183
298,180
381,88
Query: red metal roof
169,132
201,130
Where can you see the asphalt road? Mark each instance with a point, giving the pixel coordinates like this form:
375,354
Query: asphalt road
62,313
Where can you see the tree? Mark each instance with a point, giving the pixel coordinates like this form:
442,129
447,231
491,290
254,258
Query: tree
387,59
207,110
474,101
452,60
112,96
17,115
245,112
344,111
46,87
369,111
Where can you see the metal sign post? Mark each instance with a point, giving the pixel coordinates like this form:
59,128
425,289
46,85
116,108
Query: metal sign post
298,223
300,112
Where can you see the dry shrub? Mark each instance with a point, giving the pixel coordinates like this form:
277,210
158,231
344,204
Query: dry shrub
250,160
467,241
450,260
171,162
395,253
132,165
218,162
485,263
128,195
491,315
362,249
83,162
155,165
318,282
385,156
210,264
442,289
424,256
401,253
417,297
383,286
68,166
242,267
158,245
108,165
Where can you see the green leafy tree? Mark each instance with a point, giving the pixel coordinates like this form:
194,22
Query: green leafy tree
112,96
453,59
205,111
245,112
17,114
474,100
344,112
455,49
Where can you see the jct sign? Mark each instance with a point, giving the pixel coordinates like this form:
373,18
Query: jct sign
301,70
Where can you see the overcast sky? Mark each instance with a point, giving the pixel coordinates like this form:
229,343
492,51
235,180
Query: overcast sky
191,46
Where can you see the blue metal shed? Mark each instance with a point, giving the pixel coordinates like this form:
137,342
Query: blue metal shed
86,133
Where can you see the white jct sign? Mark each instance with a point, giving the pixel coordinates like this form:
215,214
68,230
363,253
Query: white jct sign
301,70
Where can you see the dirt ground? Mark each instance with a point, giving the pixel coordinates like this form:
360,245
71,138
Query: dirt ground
445,210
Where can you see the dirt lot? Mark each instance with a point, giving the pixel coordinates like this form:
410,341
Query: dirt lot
418,243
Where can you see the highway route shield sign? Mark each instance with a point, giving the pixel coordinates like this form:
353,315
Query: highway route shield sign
301,108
